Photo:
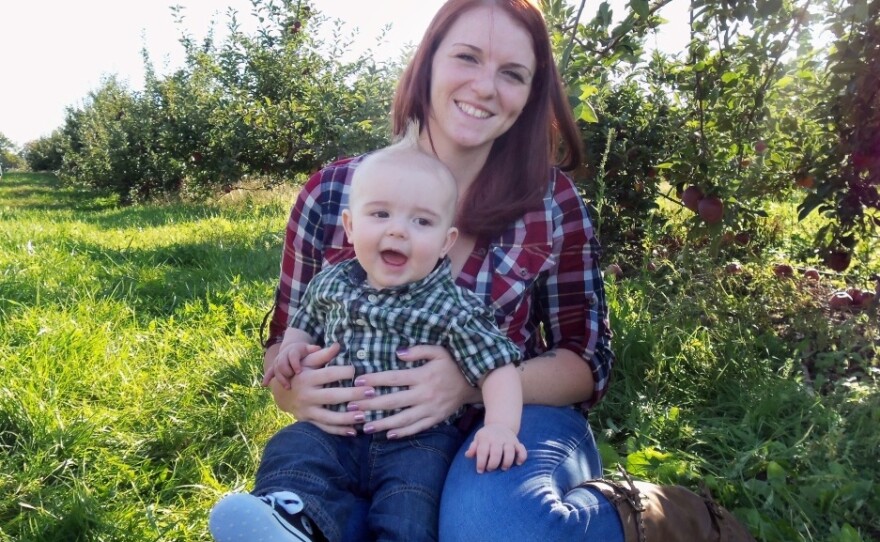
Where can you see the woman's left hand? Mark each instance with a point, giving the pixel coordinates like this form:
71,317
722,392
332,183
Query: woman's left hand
435,391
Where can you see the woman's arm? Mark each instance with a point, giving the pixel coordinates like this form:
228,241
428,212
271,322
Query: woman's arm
557,378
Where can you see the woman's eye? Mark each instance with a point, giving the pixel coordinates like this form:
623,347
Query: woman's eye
516,76
466,57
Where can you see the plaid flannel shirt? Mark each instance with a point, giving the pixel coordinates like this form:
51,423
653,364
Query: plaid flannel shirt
540,276
371,324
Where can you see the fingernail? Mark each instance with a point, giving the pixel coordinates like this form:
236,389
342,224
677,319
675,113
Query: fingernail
369,429
392,435
402,351
351,433
370,393
352,407
360,382
359,418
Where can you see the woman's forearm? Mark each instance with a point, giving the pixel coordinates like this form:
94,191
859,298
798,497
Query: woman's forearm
557,378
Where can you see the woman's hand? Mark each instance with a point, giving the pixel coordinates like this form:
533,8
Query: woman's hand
307,395
436,390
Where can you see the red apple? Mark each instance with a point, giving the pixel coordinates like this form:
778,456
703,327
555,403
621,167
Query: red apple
711,209
838,260
742,238
840,300
691,197
856,295
760,146
805,181
811,274
860,161
614,269
783,270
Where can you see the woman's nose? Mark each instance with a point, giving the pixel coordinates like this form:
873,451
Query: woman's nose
483,83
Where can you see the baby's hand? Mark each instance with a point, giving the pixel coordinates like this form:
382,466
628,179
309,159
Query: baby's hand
495,445
288,363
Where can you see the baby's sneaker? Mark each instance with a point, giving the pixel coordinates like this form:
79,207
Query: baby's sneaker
276,517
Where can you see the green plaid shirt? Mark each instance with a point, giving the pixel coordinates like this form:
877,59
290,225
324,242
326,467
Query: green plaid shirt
371,325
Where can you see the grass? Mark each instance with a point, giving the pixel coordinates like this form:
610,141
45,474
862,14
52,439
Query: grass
129,367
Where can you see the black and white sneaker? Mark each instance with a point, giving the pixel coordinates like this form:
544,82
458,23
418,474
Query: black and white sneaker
277,517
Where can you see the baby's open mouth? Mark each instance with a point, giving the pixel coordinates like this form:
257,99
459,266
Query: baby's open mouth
392,257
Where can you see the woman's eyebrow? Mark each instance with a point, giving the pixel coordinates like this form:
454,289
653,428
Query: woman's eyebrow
479,50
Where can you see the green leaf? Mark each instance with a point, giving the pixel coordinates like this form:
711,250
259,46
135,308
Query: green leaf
775,472
586,113
729,76
587,90
848,534
784,82
641,8
769,7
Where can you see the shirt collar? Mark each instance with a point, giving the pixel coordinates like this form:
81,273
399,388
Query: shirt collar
358,277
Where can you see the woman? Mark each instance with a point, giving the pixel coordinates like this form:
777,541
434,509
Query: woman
484,88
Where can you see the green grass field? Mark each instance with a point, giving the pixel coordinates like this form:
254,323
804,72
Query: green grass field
129,370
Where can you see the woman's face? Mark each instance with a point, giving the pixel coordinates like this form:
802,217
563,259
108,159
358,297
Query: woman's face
481,76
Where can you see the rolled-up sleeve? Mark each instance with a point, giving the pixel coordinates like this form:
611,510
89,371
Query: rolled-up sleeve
571,295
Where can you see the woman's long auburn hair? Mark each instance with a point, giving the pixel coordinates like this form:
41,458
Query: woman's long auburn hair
515,176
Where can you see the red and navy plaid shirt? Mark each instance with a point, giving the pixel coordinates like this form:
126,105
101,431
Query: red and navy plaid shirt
540,276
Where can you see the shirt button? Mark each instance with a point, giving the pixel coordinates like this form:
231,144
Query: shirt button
372,298
361,354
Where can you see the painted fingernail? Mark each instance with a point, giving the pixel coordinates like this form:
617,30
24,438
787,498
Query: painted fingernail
402,351
351,433
369,429
360,382
370,393
359,418
392,435
352,407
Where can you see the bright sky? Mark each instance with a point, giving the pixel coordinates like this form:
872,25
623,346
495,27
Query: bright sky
55,51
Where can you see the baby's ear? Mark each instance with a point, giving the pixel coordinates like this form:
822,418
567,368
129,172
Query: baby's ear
451,237
346,222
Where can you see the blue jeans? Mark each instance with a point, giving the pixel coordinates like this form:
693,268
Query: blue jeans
392,487
535,501
538,500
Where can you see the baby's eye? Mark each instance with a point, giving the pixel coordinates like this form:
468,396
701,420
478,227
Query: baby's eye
423,222
380,214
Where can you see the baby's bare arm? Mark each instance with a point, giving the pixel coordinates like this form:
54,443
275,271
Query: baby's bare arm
495,445
297,344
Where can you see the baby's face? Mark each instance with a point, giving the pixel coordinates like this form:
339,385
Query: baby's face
400,223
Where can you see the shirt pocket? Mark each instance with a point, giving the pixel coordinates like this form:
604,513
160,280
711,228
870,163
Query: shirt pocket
515,271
